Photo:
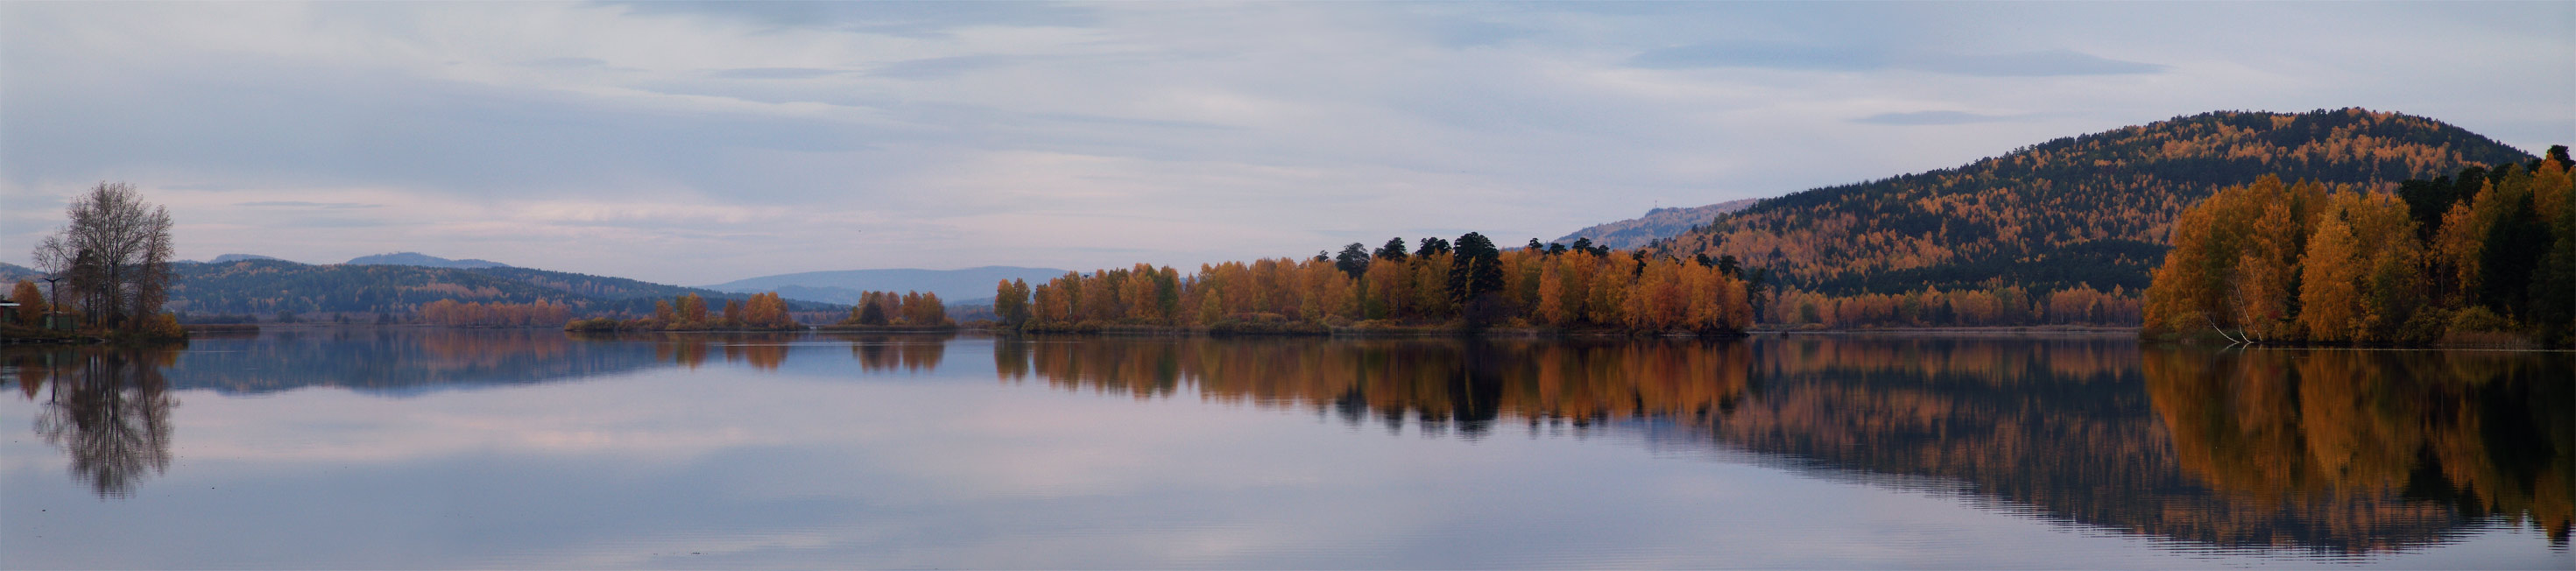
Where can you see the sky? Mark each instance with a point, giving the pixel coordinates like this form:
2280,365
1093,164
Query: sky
696,143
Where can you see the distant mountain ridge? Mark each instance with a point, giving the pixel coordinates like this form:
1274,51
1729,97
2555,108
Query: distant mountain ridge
265,287
239,257
2091,210
420,259
1656,224
843,286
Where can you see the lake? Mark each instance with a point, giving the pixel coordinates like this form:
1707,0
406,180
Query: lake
412,448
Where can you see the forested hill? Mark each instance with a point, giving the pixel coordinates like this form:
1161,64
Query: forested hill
2095,209
266,287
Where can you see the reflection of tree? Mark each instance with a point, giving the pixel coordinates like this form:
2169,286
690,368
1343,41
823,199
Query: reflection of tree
2175,445
28,368
2380,434
768,351
1440,384
763,355
912,353
685,350
109,409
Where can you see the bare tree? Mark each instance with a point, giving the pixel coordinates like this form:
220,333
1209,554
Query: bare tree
115,253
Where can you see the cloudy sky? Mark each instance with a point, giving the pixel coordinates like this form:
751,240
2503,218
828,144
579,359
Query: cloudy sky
697,143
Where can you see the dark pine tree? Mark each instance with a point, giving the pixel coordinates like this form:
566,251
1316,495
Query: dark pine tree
1354,260
1393,250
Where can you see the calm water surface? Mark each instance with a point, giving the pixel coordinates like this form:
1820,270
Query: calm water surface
371,448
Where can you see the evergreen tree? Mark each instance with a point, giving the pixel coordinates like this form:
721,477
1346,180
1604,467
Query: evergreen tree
1475,270
2553,283
1393,250
1432,246
1354,260
2513,249
871,310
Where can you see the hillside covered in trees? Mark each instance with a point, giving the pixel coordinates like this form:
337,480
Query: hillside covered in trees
267,288
2092,212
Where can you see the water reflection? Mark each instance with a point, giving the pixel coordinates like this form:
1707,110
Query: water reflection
912,353
107,408
399,360
761,351
2336,451
768,351
1438,385
2377,438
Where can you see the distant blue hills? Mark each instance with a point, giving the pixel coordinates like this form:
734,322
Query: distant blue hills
420,259
393,259
400,282
953,286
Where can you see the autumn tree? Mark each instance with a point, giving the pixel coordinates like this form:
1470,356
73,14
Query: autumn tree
692,309
767,310
2330,287
31,303
2391,279
1011,302
924,310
